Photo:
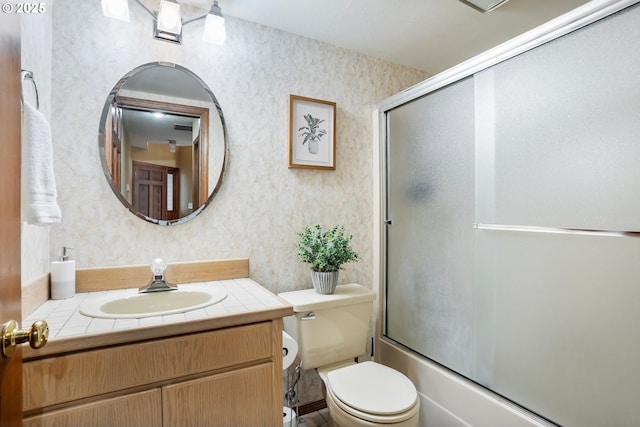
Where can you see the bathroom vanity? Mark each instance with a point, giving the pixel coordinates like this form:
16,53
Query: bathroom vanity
221,367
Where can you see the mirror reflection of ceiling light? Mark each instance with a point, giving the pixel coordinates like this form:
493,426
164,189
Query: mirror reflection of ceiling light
484,5
168,20
157,114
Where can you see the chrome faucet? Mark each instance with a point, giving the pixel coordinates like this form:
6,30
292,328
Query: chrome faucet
158,284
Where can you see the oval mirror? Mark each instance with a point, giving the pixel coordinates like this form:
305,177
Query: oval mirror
163,143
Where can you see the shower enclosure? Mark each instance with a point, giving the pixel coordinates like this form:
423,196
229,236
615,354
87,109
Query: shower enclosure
511,238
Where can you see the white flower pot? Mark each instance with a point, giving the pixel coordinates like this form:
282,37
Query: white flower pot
314,147
324,282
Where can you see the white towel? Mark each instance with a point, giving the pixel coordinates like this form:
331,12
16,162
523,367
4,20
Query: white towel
39,185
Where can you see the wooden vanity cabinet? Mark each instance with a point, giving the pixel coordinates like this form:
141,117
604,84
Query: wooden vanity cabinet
232,399
224,377
135,409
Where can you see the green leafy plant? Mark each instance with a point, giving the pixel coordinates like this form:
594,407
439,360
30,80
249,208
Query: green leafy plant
325,250
311,131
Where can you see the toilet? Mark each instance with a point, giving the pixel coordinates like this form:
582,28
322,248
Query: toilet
331,331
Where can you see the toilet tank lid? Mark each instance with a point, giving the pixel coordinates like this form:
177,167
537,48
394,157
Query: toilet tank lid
308,299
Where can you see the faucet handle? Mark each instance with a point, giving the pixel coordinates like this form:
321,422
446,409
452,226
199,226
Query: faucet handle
158,266
158,283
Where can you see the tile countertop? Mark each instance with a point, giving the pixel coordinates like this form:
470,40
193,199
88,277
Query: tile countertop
69,330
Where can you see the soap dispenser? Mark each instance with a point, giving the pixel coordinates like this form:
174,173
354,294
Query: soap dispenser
63,276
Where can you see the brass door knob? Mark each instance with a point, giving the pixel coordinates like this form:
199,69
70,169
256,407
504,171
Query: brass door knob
37,336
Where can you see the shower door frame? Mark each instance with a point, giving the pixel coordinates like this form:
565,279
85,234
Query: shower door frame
447,398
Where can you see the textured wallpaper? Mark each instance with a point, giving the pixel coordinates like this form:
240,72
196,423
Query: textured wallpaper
262,203
36,57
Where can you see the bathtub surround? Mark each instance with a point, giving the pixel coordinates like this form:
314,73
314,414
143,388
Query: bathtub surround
519,195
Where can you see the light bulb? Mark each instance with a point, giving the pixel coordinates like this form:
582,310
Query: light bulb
214,29
118,9
169,17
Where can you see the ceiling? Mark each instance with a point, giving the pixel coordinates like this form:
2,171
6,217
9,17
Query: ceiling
430,35
141,125
143,128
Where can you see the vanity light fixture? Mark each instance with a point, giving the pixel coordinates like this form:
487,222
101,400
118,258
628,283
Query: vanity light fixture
168,22
484,5
117,9
214,29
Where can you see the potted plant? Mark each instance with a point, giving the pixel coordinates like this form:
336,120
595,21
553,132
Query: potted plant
311,133
325,251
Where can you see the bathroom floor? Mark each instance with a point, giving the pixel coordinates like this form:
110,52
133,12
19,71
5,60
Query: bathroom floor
313,419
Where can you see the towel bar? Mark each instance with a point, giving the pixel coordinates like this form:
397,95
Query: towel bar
26,74
535,229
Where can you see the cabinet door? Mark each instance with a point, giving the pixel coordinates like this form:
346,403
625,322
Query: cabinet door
241,398
60,380
137,409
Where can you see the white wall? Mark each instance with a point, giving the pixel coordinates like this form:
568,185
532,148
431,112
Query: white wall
36,57
447,399
262,203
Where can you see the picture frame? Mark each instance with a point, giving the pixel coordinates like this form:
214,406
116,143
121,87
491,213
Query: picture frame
312,133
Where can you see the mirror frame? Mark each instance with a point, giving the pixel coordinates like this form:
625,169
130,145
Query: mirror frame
169,107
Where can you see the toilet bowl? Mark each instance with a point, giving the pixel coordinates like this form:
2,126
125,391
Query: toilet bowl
369,394
331,332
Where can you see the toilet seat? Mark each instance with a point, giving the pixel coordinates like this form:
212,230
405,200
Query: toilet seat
373,392
351,418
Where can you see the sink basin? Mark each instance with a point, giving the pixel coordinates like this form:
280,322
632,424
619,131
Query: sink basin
151,304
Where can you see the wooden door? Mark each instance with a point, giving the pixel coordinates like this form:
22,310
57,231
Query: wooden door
150,188
10,302
200,171
112,146
196,174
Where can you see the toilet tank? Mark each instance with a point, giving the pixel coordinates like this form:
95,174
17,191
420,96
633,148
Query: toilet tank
329,328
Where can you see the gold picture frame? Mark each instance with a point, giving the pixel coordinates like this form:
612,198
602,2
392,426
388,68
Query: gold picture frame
312,133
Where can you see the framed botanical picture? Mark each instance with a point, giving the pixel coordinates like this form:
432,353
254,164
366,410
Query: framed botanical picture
312,133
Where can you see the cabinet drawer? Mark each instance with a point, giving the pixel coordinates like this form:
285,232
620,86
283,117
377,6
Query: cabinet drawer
65,378
241,398
137,409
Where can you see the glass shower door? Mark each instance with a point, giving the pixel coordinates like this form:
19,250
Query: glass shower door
430,206
513,226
